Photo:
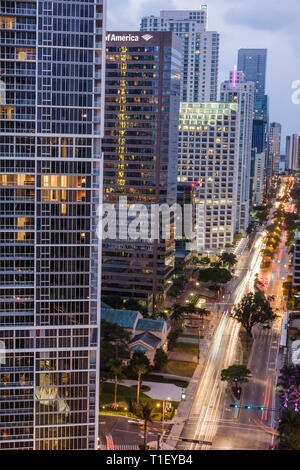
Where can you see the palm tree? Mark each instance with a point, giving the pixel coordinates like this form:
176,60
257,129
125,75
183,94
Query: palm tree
289,428
145,412
140,370
228,259
116,368
177,314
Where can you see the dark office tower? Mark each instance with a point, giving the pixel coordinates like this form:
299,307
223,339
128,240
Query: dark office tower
253,63
50,136
140,155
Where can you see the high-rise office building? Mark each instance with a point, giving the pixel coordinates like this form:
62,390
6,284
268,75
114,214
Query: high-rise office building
140,157
259,178
50,188
237,90
209,156
275,146
253,63
292,152
199,81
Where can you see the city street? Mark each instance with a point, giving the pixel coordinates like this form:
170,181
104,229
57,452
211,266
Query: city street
211,419
126,435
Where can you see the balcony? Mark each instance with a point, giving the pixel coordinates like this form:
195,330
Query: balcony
17,42
25,72
18,11
23,58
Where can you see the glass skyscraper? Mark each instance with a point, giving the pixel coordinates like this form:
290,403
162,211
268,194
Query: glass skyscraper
253,63
51,104
140,157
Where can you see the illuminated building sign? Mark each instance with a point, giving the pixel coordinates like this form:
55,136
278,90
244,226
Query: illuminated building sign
128,37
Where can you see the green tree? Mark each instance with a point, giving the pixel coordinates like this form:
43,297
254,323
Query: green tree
116,368
145,412
173,336
228,259
160,359
258,285
215,275
140,365
289,429
177,315
254,309
114,342
236,375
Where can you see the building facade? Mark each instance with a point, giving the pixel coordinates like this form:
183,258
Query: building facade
259,178
296,266
50,149
275,146
237,90
292,152
209,156
200,50
140,158
253,62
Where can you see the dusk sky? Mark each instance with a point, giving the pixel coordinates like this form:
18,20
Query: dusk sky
270,24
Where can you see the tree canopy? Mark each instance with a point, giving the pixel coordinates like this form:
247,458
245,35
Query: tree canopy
236,375
254,309
215,275
228,259
114,342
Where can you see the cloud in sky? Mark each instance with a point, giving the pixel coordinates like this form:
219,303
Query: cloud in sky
242,24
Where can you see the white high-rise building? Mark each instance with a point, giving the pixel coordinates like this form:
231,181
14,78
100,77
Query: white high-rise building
275,144
259,180
238,90
199,81
208,157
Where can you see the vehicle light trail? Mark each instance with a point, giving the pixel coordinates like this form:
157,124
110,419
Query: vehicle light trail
205,414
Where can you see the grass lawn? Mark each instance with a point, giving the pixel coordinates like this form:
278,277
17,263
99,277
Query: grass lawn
185,369
163,380
186,348
124,393
107,398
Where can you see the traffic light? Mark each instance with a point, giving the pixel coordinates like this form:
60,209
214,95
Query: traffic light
248,407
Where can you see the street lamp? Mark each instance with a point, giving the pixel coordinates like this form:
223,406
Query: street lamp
160,437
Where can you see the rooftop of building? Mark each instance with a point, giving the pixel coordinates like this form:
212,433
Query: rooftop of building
123,318
147,338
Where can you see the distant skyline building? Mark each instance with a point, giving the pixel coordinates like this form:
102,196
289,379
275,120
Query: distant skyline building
200,65
253,62
51,125
237,90
296,264
140,156
275,146
209,157
259,178
293,152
